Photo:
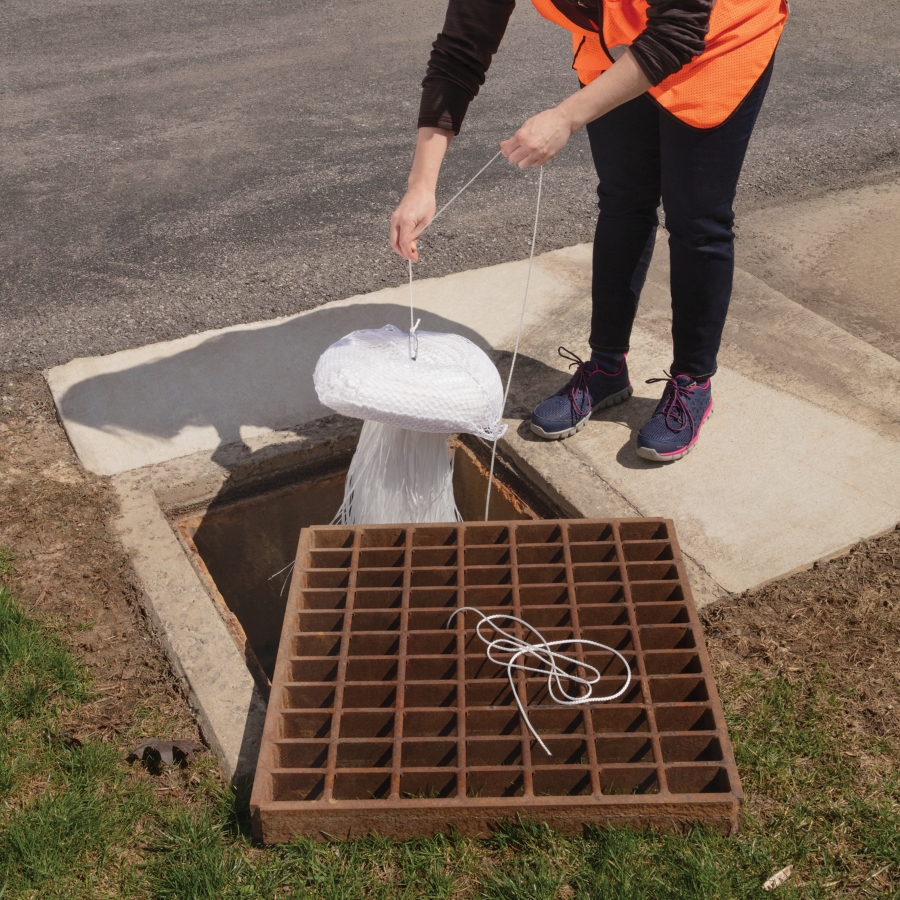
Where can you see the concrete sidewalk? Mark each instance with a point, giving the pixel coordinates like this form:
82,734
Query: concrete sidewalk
838,254
798,462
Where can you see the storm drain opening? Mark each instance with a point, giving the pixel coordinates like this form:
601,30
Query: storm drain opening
237,543
384,719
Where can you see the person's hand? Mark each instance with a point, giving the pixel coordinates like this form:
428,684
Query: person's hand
539,139
410,219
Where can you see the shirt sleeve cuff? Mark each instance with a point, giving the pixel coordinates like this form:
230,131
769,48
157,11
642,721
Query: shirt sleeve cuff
655,62
443,104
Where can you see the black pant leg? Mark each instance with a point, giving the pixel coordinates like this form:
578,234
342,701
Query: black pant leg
700,171
626,150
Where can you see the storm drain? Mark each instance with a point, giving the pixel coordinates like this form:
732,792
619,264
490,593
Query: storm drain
383,719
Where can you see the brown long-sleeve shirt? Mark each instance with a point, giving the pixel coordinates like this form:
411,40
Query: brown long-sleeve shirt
674,35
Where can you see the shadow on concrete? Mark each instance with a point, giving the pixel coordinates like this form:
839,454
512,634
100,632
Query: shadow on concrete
633,415
251,740
261,377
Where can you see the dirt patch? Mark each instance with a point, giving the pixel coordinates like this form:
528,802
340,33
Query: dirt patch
71,569
841,616
836,625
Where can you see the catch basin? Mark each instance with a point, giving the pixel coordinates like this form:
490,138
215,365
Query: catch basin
238,543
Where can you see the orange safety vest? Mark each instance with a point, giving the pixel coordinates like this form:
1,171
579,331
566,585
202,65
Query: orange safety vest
742,37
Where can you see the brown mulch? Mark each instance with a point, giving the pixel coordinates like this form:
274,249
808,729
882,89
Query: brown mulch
70,569
842,617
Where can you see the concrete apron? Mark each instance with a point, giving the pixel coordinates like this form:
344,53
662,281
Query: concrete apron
797,463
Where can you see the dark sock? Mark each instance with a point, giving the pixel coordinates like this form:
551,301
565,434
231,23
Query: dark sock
610,361
700,381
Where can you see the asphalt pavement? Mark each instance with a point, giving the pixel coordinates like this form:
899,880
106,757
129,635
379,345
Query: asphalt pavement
169,167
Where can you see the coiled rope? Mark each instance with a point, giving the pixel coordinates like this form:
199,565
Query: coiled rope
413,324
515,648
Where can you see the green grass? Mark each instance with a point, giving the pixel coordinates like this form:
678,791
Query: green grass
78,822
7,562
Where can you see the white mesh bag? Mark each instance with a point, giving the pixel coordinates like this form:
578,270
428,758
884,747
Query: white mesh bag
451,386
402,470
398,475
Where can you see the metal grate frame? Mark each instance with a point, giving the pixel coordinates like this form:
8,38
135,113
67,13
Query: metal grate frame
381,719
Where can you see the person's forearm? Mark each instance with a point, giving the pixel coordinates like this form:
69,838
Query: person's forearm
622,82
431,146
545,134
416,209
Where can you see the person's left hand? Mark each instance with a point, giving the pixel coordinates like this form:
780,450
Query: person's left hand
539,139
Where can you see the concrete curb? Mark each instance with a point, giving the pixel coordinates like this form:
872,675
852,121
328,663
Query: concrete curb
199,647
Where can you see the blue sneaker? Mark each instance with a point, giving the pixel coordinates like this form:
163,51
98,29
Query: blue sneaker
588,390
673,429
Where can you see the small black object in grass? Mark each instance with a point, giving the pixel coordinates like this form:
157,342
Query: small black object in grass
153,752
62,737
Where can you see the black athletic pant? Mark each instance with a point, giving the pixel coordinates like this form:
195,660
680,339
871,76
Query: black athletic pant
643,154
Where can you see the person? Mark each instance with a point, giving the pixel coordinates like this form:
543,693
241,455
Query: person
669,92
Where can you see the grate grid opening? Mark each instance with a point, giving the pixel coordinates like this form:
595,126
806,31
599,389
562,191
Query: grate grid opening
383,718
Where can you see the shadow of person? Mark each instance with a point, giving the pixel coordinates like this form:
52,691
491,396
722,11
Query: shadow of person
258,376
633,415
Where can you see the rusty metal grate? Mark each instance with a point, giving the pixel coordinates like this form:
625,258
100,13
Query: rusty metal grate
382,719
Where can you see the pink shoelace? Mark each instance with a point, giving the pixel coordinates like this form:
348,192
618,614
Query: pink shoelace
577,383
676,409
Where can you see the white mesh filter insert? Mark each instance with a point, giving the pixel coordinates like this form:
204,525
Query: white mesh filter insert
397,475
452,385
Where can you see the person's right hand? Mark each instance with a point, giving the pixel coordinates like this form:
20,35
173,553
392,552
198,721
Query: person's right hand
410,219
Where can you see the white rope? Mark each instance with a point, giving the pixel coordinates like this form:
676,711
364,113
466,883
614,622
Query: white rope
466,185
512,365
290,565
509,644
412,314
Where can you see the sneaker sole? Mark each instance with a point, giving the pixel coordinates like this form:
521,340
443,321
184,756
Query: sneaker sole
613,400
655,456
